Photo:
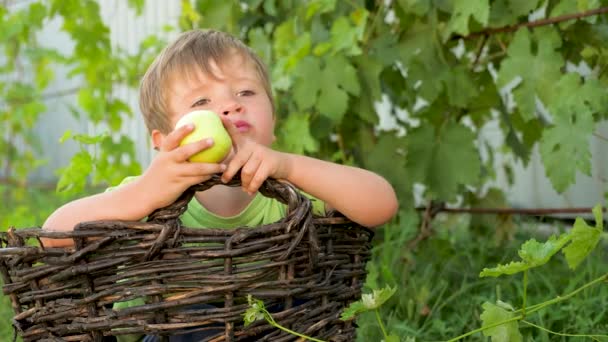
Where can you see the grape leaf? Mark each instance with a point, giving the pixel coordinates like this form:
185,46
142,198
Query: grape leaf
564,7
507,12
74,176
345,37
319,7
539,72
306,86
368,301
340,71
442,161
536,253
370,70
417,7
333,101
295,134
564,147
463,10
584,238
532,253
386,158
460,86
522,7
421,58
507,332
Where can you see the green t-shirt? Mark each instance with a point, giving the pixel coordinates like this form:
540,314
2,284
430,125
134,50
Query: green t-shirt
261,210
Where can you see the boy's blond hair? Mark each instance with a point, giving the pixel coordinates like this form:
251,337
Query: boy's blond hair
192,49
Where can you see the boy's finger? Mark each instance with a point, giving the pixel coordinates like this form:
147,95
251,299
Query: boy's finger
235,165
183,153
249,170
260,176
202,169
173,139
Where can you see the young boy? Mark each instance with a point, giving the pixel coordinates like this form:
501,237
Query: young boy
205,69
214,71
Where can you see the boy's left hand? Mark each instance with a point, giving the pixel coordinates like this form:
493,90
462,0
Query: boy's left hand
257,162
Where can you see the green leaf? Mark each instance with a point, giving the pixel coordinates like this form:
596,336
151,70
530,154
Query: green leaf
533,254
345,37
507,332
221,15
443,160
369,301
340,71
306,86
255,311
370,70
353,310
333,101
261,44
73,177
295,134
66,135
392,338
564,7
538,72
460,86
319,7
90,139
523,7
465,9
564,147
584,238
417,7
138,5
386,157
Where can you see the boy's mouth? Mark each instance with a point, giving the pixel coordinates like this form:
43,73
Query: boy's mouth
242,126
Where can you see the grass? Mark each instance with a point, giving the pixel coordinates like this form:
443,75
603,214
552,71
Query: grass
440,293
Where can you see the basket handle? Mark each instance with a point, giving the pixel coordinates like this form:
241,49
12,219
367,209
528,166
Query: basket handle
299,213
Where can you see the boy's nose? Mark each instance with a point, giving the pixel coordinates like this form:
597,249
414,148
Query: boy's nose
233,107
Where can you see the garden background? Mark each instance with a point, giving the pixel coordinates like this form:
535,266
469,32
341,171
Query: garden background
465,104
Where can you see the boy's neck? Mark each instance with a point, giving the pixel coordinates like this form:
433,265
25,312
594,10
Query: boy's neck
224,201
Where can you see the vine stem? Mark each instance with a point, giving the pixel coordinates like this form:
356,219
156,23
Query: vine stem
532,309
558,299
561,334
536,23
513,211
287,330
523,307
381,324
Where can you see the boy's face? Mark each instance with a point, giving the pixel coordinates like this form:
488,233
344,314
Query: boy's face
233,89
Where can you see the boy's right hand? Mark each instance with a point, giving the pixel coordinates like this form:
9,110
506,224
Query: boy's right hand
170,173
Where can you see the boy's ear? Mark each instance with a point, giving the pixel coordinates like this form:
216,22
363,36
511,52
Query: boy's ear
157,139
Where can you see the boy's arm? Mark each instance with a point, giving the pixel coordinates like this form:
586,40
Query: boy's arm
127,202
361,195
167,177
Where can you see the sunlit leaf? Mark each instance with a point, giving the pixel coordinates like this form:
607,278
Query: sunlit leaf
584,238
493,314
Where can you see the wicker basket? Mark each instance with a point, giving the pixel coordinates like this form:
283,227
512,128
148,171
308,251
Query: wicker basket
308,268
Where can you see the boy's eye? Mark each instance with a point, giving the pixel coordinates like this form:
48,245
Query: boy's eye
200,102
246,93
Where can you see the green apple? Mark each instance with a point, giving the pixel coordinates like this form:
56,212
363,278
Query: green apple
207,124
